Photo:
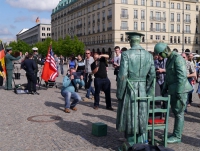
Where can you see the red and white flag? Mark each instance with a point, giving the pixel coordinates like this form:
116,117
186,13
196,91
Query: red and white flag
49,71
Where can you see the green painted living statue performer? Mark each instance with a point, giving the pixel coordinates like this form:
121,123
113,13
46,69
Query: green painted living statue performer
176,85
136,65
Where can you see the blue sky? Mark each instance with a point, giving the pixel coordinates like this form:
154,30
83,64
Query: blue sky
19,14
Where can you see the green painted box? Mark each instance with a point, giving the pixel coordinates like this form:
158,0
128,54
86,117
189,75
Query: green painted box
99,129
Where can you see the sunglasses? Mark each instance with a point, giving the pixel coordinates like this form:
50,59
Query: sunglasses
35,51
87,53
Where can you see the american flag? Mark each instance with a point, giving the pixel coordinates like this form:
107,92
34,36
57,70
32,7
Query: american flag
50,71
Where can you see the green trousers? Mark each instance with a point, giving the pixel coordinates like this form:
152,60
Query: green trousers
178,106
8,84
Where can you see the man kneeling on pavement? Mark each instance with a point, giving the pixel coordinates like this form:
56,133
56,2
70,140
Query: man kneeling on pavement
68,90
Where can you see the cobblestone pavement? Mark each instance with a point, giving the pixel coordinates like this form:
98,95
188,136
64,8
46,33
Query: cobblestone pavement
72,132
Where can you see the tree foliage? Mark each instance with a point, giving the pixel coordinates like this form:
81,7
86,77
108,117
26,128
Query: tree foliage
65,47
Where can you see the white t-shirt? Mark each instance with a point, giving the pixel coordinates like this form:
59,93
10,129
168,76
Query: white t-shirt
117,59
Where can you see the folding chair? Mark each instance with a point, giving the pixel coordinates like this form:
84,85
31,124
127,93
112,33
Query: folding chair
152,125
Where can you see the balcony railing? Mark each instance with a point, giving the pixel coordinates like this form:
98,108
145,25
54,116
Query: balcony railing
98,20
187,31
124,16
79,26
124,28
103,18
172,20
79,34
187,21
93,21
109,28
157,29
158,18
178,20
109,17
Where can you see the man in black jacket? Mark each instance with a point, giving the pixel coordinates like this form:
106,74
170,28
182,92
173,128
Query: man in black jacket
29,66
101,81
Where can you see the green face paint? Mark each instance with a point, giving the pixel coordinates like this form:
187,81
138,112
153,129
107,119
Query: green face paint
163,55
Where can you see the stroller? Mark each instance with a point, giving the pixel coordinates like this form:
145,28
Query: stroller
50,84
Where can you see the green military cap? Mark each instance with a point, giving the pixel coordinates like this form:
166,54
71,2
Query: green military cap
134,34
8,48
160,47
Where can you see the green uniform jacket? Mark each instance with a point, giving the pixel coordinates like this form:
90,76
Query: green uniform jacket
176,75
9,58
138,66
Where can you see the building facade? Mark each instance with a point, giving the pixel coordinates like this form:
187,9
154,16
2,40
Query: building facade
101,24
35,34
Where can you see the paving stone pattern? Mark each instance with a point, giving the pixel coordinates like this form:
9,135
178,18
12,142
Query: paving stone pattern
73,131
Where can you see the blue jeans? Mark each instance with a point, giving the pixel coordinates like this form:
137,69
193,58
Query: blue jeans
104,85
90,89
68,95
61,69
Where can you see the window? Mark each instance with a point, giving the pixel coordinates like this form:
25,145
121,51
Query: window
171,39
197,18
174,39
158,4
151,14
163,38
121,37
98,6
189,40
124,13
186,40
151,2
196,29
187,28
142,14
94,7
172,17
124,25
172,27
178,18
151,37
197,8
157,26
124,1
109,1
135,25
196,40
164,28
178,28
103,3
187,18
187,7
135,2
43,34
178,6
43,28
164,4
157,37
172,5
158,16
142,2
142,26
151,26
48,29
179,41
135,14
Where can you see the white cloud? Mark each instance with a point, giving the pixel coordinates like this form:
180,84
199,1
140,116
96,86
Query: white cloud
36,5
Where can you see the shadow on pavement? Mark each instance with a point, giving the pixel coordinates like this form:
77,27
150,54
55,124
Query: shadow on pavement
84,130
55,105
191,141
102,117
